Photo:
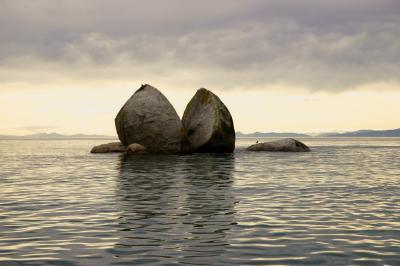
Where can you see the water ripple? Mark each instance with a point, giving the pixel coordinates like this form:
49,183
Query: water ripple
339,204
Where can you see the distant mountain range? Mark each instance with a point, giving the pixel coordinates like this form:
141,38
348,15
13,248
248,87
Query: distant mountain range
270,135
365,133
358,133
56,136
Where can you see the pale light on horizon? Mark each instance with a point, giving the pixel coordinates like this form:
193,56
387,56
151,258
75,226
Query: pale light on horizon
92,111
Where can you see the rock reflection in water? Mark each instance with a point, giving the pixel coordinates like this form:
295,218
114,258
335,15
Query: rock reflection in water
174,208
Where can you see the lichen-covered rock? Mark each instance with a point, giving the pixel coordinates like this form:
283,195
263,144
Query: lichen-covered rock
209,124
109,147
136,148
149,118
286,145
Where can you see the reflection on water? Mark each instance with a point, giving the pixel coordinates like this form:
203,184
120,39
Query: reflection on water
176,207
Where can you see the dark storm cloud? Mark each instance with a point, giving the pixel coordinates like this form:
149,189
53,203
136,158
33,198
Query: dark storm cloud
331,45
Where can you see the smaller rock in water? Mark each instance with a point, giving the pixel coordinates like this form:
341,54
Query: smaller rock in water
109,147
286,145
136,148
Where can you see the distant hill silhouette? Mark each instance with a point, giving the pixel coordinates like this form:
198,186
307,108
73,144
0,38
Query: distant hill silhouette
56,136
358,133
365,133
271,135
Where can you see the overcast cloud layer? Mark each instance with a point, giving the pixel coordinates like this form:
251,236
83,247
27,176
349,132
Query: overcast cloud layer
318,45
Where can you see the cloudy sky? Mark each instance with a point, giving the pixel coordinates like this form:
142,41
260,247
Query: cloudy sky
300,65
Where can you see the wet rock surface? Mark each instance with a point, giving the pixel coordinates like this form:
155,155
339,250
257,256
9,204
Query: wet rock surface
283,145
109,147
136,148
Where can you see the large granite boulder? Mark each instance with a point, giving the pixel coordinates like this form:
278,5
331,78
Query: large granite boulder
286,145
109,147
149,118
209,124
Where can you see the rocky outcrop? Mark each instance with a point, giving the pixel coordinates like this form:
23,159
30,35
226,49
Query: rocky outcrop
285,145
209,124
109,147
149,118
136,148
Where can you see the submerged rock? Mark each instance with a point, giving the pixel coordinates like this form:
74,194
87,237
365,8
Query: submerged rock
136,148
209,124
149,118
286,145
109,147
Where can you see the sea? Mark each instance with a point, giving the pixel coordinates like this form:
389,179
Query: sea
336,205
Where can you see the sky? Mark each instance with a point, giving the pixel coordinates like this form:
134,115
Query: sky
278,65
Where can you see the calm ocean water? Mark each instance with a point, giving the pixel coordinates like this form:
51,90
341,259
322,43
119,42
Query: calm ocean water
339,204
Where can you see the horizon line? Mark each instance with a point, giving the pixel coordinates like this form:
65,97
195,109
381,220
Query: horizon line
237,132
